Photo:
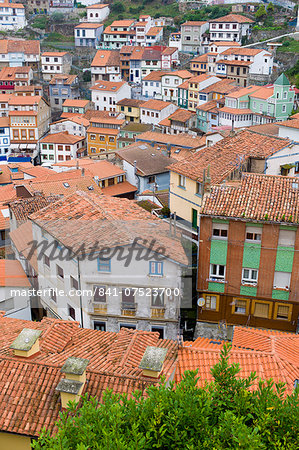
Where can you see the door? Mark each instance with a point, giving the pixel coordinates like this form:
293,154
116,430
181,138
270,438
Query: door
194,218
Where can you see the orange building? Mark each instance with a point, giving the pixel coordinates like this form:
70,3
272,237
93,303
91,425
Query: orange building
102,136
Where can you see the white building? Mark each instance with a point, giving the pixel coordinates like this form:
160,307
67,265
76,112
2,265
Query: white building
106,66
88,34
4,102
153,36
55,63
105,94
170,58
12,16
73,125
142,290
289,129
4,136
14,290
152,85
232,27
171,82
58,147
98,12
19,52
153,111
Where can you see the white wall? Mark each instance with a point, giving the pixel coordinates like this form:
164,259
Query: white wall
288,132
288,155
165,112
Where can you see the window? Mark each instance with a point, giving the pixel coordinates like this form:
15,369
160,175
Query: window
152,179
220,230
160,330
286,238
240,306
156,268
74,283
99,294
100,326
157,298
253,234
262,309
60,147
249,276
282,280
283,311
285,95
93,137
71,312
284,108
211,302
182,181
198,189
59,271
111,139
217,271
68,148
104,265
128,298
46,260
53,295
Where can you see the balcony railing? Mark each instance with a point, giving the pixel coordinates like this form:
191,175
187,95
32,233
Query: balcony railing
157,313
128,309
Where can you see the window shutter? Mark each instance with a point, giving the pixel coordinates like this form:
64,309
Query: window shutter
261,310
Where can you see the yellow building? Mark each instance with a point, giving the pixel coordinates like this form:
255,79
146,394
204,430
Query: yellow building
185,197
102,136
130,108
101,142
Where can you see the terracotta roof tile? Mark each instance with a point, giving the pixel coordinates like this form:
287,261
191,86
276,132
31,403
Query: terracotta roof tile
105,221
109,86
260,198
114,360
155,75
224,156
12,274
23,207
194,23
75,103
67,79
88,25
157,105
119,189
179,140
232,18
154,31
294,123
104,58
130,102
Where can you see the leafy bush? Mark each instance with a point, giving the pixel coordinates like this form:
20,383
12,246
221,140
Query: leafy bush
57,16
118,7
87,76
225,414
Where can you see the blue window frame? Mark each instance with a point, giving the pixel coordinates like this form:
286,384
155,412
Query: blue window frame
155,268
104,265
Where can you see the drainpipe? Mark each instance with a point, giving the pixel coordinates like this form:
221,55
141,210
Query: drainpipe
79,285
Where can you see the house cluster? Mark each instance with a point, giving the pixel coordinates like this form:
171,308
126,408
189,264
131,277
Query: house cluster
163,188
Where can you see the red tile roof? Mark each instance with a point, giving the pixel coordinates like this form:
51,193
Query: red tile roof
232,18
178,140
294,123
108,86
224,156
157,105
30,384
75,103
104,58
269,353
194,23
259,198
105,221
119,189
12,274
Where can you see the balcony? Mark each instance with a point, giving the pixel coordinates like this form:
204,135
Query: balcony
157,313
99,308
128,309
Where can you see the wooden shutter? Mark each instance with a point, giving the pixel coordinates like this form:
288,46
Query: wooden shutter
261,310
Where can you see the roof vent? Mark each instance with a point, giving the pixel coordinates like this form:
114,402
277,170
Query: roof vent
152,361
66,185
27,343
72,385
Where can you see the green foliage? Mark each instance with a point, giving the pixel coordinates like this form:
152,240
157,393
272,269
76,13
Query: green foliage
117,7
206,13
57,17
87,76
40,22
261,12
270,8
225,414
165,211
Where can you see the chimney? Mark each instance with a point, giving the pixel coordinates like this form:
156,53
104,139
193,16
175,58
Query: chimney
72,385
27,343
207,185
232,132
152,361
82,172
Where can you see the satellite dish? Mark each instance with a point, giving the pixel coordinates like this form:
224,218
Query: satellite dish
201,301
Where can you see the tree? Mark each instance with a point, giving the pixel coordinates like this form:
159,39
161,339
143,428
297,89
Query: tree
270,8
261,12
87,76
224,414
57,17
118,7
